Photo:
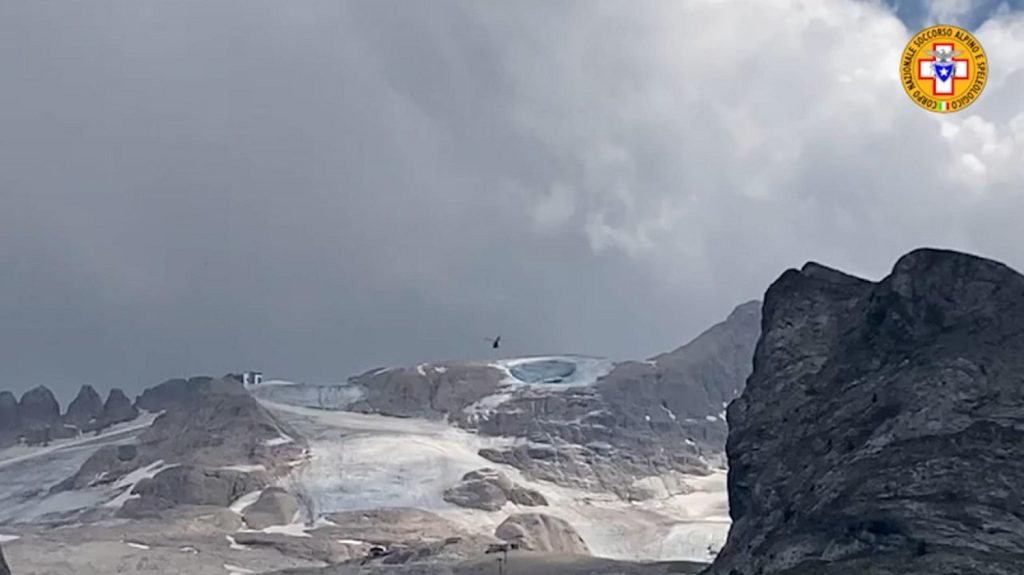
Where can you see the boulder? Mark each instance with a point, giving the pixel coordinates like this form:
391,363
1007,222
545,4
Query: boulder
476,494
489,490
274,507
86,406
882,429
526,497
540,532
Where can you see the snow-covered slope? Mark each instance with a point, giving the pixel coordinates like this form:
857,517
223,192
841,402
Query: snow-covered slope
361,461
28,473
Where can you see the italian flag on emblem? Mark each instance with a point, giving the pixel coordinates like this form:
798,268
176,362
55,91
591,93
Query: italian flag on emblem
943,106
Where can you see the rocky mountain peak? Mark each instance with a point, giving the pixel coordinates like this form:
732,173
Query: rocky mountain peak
8,411
882,425
38,407
87,405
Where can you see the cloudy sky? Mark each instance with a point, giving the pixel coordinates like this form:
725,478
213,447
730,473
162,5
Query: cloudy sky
314,188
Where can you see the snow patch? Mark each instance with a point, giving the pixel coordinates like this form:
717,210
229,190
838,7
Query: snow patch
233,544
440,369
292,530
235,570
671,415
137,545
243,502
282,440
127,483
711,418
8,538
244,468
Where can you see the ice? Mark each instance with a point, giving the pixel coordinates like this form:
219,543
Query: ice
554,371
327,396
28,473
361,461
19,453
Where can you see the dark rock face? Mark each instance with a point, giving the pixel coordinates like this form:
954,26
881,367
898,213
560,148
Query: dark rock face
882,430
539,532
9,422
38,408
86,406
4,569
117,409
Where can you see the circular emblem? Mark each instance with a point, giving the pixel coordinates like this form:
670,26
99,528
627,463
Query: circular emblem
944,69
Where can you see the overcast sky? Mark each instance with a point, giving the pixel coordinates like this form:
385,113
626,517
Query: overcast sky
315,188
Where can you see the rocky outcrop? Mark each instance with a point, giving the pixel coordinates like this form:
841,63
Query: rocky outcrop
214,442
882,430
489,490
188,485
4,569
86,406
221,425
539,532
38,409
117,409
274,507
420,392
176,392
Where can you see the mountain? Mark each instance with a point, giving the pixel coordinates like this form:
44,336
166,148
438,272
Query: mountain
562,464
630,429
86,406
882,429
36,419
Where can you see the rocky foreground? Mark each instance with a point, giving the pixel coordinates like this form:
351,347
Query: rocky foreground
882,430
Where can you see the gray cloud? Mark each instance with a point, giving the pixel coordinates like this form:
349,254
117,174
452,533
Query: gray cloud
318,188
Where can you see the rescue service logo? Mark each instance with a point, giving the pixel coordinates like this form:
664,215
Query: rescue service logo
944,69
